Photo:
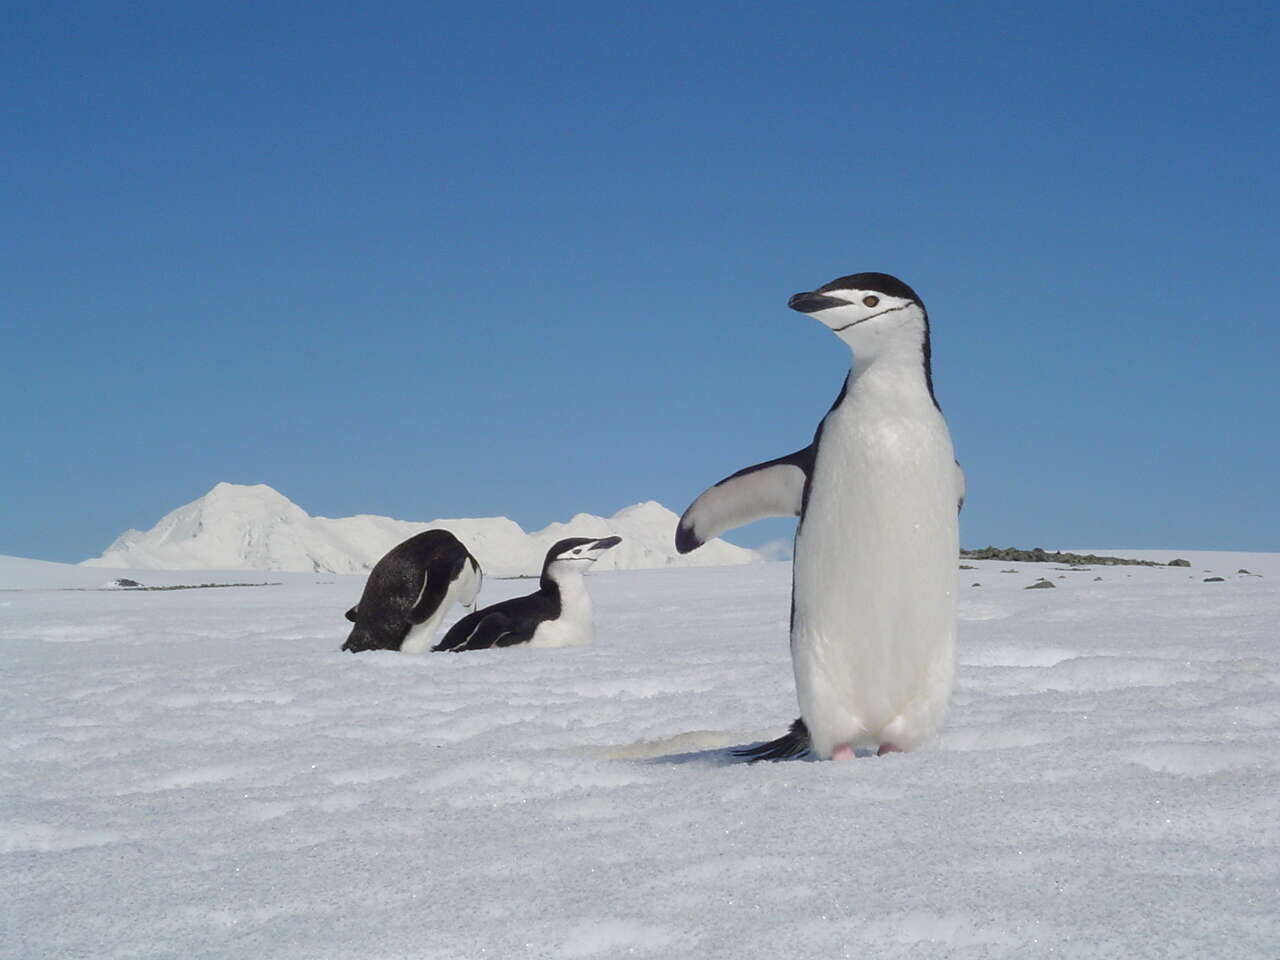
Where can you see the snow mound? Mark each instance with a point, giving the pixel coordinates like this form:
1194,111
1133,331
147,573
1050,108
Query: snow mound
239,527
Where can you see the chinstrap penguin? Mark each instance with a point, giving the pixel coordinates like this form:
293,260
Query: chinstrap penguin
408,592
873,600
557,615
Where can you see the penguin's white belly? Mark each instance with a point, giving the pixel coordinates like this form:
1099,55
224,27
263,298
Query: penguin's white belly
560,633
556,633
873,640
421,635
573,628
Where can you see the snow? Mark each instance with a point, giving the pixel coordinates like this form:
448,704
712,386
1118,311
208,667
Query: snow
254,527
200,773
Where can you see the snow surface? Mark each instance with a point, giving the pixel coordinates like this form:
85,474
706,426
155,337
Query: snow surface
239,527
200,773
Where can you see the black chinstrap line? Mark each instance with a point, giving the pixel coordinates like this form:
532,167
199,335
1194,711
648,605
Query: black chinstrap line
872,317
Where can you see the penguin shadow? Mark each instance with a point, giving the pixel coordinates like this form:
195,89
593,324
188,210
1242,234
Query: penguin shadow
722,757
699,748
743,754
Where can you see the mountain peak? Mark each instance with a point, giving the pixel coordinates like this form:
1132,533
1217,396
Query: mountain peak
246,491
647,509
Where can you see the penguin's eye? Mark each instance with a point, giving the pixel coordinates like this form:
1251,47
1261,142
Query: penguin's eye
870,301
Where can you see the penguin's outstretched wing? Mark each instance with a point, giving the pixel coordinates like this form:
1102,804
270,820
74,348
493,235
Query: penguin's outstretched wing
794,743
774,488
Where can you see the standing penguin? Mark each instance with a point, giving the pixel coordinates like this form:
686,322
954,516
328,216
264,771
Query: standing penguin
557,615
873,597
408,592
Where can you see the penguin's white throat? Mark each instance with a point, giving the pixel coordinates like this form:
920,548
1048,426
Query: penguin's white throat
895,371
885,350
567,574
568,570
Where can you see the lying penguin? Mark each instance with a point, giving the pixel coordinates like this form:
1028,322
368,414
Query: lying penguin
557,615
410,590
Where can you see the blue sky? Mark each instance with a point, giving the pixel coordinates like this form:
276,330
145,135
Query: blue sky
527,260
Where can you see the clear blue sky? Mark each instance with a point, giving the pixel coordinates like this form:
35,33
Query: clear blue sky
470,259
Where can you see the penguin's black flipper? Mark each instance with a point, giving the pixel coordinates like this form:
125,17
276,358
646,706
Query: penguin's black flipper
433,593
774,488
492,628
459,633
792,744
486,628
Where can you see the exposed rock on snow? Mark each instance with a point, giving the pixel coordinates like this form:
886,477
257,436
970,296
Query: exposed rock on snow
237,527
1040,555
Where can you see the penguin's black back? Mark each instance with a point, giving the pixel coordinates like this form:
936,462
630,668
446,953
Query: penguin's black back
506,623
395,586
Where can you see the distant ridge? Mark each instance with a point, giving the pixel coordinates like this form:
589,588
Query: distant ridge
239,527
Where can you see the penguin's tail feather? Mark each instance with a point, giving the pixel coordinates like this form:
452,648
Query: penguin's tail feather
792,744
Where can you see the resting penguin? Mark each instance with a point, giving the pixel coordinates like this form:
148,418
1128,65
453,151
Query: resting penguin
557,615
408,592
873,598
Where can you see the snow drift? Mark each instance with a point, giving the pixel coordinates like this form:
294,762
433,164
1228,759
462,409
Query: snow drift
204,774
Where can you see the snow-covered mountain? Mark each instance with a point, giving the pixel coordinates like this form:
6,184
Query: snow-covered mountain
238,527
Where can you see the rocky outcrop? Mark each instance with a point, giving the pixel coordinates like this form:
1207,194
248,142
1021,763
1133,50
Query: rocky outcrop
1040,555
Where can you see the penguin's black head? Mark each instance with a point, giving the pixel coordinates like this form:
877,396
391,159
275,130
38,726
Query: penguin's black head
365,636
875,314
577,552
859,297
470,578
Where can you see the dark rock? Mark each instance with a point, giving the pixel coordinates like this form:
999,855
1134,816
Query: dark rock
1214,579
1245,572
125,582
1179,563
977,584
1096,579
1040,555
965,566
1041,584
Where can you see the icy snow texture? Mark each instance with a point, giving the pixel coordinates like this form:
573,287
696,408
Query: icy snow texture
237,527
202,774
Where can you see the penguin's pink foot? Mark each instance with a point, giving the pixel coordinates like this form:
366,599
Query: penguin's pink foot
887,748
842,752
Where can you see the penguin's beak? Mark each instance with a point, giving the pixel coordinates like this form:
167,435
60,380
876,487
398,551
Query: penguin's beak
605,544
813,302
